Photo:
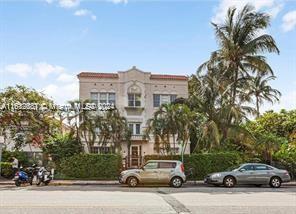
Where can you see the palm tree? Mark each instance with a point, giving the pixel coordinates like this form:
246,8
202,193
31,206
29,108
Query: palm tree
168,112
241,46
261,91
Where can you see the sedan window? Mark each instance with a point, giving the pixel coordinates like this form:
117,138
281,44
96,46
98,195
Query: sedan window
262,167
248,167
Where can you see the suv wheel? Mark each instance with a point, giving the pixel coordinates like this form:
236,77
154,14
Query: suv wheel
229,181
176,182
132,181
275,182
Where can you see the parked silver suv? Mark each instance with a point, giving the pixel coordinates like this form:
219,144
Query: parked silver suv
155,172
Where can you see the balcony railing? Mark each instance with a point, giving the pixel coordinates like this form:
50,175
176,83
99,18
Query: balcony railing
137,137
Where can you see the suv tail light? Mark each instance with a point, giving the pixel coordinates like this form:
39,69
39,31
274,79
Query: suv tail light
182,167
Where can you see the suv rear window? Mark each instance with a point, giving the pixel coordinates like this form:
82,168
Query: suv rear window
166,165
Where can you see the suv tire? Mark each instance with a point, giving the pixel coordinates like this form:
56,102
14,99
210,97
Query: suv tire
176,182
132,181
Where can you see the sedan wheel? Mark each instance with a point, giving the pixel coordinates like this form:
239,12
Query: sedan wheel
275,182
229,182
176,182
132,182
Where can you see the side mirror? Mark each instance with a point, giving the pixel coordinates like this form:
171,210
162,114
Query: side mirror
242,170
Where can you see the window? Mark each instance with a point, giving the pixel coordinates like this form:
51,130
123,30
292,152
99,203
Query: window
262,167
135,128
151,165
159,99
111,98
156,100
94,97
138,128
134,100
103,97
248,167
104,150
167,165
165,99
94,149
173,98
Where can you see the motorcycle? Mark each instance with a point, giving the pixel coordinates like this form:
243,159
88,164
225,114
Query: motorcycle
24,176
43,176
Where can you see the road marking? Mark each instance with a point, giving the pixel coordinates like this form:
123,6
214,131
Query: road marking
174,203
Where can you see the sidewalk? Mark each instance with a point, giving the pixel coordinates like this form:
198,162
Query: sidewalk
108,182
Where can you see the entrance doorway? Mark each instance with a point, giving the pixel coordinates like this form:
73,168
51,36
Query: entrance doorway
136,157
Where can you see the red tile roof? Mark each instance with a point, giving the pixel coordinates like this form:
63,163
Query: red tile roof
98,75
168,77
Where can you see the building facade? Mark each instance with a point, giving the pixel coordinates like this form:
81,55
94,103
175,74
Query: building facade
137,95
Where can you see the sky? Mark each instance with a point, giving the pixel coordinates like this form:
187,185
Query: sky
44,44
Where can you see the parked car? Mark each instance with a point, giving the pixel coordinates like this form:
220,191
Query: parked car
155,172
250,173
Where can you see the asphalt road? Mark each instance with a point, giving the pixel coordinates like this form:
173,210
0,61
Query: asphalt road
158,200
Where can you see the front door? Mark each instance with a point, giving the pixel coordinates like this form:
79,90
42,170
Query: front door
135,156
246,175
150,173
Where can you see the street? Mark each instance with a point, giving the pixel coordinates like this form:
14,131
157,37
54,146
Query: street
121,199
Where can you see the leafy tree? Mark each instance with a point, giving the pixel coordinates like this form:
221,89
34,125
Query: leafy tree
32,126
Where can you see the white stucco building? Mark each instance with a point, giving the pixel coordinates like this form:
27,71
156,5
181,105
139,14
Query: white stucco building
137,95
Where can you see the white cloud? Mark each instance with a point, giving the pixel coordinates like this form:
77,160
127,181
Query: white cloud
272,7
49,1
66,78
119,1
289,21
20,69
62,93
85,12
69,3
44,69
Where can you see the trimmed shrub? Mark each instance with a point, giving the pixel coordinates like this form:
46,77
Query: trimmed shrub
203,164
91,166
6,169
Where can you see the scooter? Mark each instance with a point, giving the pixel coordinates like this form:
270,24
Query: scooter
22,177
43,176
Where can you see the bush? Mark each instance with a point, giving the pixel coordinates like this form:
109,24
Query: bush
20,155
203,164
91,166
6,169
286,158
61,147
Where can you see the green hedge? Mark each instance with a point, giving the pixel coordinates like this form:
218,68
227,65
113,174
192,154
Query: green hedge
91,166
6,169
203,164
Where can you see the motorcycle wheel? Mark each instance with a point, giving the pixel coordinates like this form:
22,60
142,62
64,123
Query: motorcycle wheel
17,183
38,181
